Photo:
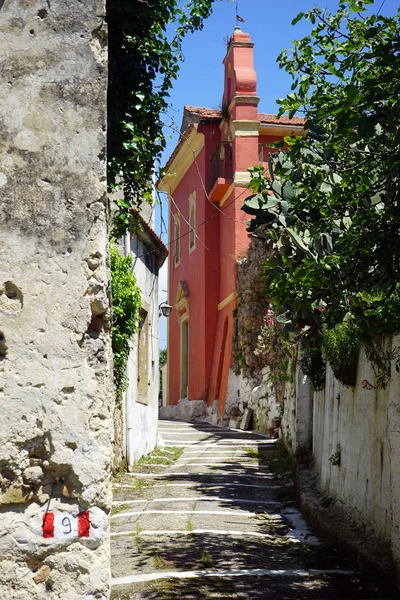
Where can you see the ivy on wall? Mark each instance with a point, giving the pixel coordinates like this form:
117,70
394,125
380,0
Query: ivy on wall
144,52
126,304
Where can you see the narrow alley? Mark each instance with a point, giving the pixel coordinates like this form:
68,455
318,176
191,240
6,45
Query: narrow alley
212,515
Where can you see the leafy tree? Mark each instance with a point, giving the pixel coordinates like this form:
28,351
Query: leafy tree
332,203
163,357
143,64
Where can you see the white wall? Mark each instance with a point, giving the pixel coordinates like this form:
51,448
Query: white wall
142,419
365,425
357,420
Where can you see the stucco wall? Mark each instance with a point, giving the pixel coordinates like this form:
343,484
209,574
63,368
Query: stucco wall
142,419
192,269
356,420
55,355
355,439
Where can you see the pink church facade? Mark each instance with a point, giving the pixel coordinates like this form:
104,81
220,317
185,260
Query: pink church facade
206,179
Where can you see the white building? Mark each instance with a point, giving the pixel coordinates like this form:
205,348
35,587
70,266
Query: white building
140,411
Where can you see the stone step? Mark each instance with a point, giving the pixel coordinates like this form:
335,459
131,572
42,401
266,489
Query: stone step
191,551
260,584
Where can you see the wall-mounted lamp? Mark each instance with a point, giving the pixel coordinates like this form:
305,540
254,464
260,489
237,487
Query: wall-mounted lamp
164,309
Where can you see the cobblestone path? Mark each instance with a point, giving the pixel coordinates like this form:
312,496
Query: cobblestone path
220,522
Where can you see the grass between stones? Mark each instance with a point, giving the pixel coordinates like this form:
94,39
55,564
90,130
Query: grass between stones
199,589
280,464
158,457
117,509
277,460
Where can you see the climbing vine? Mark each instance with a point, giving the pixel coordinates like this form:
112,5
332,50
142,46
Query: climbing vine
276,350
144,46
331,203
126,304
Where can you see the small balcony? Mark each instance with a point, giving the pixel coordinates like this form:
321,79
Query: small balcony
221,172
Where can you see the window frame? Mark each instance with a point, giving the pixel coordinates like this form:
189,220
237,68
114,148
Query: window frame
177,240
192,227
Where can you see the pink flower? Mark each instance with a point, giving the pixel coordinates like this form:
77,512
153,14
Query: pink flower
366,385
269,320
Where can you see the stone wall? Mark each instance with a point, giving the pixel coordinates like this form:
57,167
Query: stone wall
249,385
256,394
55,355
347,440
353,436
251,306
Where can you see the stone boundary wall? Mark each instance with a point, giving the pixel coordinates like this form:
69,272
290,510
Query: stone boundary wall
55,353
350,436
353,445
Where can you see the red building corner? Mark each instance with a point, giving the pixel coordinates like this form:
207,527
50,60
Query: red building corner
206,180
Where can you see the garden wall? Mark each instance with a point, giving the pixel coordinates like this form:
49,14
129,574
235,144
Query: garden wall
355,443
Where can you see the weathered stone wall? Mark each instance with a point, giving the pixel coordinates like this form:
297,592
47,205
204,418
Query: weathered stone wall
249,385
256,394
55,359
350,436
251,306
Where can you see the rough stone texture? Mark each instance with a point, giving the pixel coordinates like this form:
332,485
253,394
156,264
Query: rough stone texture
55,360
185,409
256,394
251,306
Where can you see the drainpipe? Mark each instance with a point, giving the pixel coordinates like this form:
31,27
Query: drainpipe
128,391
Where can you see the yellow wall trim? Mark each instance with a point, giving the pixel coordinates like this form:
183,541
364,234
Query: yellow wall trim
280,129
245,128
185,157
227,301
243,100
227,195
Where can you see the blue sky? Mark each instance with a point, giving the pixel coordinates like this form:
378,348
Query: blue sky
201,78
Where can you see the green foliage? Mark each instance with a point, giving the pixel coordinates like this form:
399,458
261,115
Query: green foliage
144,51
275,347
312,362
341,346
332,203
336,458
163,357
126,305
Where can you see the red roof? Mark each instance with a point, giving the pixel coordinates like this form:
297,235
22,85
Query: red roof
214,113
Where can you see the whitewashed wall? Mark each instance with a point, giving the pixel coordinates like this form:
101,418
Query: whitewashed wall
142,419
356,420
363,426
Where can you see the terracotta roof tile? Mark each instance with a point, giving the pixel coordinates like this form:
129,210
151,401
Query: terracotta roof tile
214,113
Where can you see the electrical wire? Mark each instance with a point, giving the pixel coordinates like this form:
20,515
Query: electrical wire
187,222
201,177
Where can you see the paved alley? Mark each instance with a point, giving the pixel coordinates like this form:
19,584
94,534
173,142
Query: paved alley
212,515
